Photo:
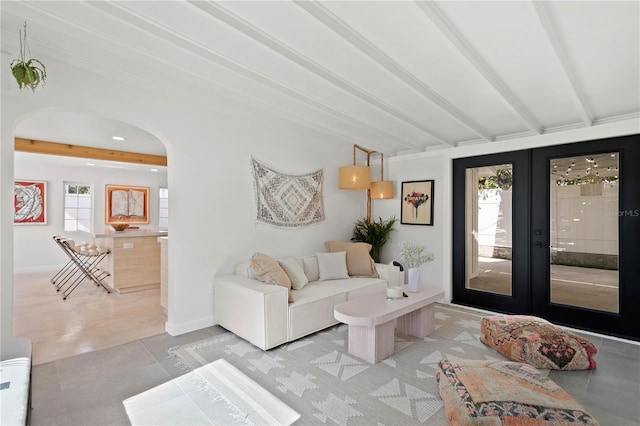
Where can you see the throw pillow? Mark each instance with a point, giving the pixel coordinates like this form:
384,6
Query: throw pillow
478,392
293,268
310,266
332,266
537,342
264,268
359,261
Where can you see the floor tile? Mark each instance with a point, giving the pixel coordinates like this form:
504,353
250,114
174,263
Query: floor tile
101,365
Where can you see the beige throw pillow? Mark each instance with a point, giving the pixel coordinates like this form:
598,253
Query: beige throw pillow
359,261
293,268
266,269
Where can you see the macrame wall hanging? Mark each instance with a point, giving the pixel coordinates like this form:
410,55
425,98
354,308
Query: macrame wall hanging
287,200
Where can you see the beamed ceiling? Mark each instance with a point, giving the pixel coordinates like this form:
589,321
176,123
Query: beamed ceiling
394,76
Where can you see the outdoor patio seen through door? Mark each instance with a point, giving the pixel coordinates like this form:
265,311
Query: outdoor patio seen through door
553,232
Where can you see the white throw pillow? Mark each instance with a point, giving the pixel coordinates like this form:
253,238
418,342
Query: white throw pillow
310,266
293,268
332,266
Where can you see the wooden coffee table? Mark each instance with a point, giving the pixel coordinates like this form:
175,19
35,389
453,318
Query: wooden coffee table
373,319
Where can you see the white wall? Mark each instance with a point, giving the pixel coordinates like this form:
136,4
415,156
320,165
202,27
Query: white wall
408,169
494,218
211,194
34,250
584,224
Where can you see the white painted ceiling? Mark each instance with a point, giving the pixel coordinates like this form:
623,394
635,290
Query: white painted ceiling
395,76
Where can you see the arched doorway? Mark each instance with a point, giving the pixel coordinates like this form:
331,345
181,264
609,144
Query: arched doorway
90,318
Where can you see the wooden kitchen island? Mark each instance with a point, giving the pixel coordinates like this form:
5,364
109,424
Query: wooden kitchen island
134,261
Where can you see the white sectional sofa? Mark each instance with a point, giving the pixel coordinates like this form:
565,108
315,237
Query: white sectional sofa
260,312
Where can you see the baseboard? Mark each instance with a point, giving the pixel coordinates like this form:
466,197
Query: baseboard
176,329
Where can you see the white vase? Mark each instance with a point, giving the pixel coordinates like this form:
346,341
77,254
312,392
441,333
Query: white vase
414,280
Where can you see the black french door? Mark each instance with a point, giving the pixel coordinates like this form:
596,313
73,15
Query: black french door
552,232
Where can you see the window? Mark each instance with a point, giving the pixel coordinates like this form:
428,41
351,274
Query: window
163,215
78,202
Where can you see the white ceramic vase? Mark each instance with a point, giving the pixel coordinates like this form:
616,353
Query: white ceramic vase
414,280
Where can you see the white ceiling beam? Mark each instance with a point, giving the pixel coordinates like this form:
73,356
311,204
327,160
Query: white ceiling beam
577,94
223,14
340,27
454,36
166,35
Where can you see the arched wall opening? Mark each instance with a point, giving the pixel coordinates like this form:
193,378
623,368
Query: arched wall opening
72,126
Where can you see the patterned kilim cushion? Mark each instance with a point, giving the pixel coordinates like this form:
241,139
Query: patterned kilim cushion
504,393
537,342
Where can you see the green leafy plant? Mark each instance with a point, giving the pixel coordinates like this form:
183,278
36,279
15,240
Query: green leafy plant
414,254
28,72
375,233
503,179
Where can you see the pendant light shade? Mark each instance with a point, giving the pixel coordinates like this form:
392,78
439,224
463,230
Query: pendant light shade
382,190
359,177
354,177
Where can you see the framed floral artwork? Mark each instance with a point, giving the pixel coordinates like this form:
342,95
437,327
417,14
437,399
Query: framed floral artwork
126,204
417,203
29,202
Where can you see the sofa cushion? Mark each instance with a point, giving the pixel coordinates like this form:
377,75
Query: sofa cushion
537,342
293,268
357,287
332,266
359,261
266,269
313,309
504,393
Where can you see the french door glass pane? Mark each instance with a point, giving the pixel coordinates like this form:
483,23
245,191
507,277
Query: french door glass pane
584,231
488,228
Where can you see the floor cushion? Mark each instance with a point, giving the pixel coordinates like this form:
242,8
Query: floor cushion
504,393
537,342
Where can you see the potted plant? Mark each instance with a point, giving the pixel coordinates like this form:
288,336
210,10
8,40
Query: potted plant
27,72
374,233
413,255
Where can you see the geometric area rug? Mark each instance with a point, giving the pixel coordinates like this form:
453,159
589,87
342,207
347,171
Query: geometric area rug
318,378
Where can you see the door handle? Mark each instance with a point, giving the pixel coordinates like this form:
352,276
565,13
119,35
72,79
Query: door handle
539,244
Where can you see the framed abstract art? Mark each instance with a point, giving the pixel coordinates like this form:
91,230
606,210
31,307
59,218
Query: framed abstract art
417,203
29,202
126,204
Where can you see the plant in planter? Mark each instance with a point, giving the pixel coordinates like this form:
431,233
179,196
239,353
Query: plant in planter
27,72
374,233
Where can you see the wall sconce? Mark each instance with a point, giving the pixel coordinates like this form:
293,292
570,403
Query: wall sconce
359,177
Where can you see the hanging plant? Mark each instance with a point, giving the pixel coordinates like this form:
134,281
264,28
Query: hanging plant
27,72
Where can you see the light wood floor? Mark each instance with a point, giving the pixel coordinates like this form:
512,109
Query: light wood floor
90,318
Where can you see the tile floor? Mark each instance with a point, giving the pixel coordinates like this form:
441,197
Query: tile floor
89,389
